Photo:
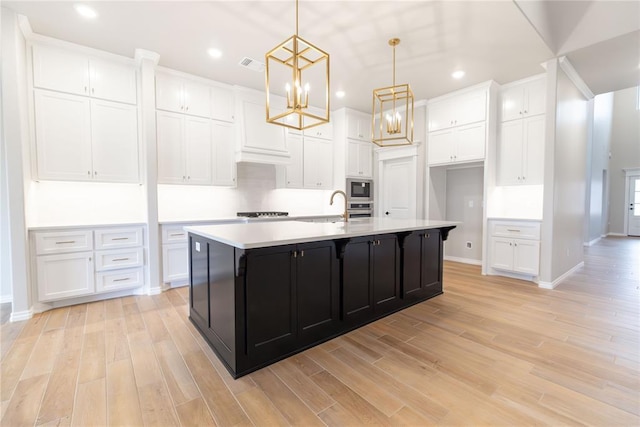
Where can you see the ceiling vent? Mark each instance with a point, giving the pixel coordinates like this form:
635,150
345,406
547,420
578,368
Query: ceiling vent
252,64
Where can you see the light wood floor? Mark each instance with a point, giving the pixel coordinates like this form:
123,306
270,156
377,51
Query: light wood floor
490,351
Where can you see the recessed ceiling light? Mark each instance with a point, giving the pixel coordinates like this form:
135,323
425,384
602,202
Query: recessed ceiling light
457,74
214,53
85,11
340,94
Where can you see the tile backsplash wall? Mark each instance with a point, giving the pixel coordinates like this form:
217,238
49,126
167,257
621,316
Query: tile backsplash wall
256,191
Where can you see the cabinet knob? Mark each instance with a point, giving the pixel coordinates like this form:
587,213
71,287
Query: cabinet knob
386,213
186,108
525,111
95,172
427,235
85,89
93,90
89,173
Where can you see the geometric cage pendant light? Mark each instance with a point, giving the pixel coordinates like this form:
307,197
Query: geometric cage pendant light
392,111
297,83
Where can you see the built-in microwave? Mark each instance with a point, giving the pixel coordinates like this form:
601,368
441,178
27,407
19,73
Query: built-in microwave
359,190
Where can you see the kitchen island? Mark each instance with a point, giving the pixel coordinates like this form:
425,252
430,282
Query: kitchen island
261,292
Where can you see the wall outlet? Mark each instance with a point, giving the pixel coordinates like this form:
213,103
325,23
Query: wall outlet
468,245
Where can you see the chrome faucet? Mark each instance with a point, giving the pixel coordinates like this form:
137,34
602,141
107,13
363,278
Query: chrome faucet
344,215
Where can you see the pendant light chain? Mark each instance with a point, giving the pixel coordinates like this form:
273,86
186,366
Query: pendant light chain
296,17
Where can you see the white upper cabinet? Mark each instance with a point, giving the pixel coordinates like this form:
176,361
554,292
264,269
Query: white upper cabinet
259,141
457,145
185,150
318,163
222,103
293,171
358,126
359,159
66,71
521,152
182,95
224,164
523,100
458,110
82,139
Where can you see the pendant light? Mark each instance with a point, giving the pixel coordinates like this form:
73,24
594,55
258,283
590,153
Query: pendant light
392,116
297,83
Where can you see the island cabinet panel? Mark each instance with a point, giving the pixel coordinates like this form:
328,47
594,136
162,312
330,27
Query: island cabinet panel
421,265
199,266
386,273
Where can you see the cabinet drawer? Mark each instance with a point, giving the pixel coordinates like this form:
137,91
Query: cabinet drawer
528,230
120,279
173,234
111,260
112,238
63,241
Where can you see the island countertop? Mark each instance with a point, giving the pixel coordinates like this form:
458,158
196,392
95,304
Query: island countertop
265,234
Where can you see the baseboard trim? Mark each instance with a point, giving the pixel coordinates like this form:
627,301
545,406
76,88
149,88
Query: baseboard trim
593,242
617,234
463,260
6,298
552,285
17,316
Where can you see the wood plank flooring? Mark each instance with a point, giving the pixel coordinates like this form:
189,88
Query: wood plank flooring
490,351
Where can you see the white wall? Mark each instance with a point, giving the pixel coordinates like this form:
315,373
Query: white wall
599,165
464,201
256,191
565,196
625,152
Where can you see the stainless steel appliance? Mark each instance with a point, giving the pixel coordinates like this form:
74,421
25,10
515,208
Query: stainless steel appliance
359,198
359,189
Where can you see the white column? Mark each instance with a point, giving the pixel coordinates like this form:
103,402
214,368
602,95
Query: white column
15,140
147,62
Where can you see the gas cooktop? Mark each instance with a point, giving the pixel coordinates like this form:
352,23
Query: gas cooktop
262,214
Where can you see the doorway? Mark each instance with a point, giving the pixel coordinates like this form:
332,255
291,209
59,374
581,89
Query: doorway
633,206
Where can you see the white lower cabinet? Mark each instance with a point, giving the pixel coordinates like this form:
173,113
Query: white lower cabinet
175,254
71,263
515,247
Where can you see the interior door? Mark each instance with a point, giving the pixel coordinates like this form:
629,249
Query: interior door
399,188
633,224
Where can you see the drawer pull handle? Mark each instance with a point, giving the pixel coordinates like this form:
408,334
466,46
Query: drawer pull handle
122,280
65,242
512,230
176,234
120,238
120,259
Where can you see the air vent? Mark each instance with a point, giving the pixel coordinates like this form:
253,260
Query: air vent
252,64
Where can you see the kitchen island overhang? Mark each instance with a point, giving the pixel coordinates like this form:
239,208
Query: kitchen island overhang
262,292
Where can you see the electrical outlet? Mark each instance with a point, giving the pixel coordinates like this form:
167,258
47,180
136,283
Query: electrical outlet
468,245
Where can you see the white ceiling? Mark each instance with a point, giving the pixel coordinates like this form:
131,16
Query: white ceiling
488,39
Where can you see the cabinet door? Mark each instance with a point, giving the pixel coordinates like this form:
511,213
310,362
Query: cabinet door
317,290
170,136
470,143
169,93
222,104
535,97
175,262
258,135
512,101
358,126
224,170
357,292
197,100
441,147
533,146
526,256
59,69
431,271
411,265
63,136
386,274
501,253
324,131
294,176
198,151
471,108
112,80
318,163
270,301
440,116
64,276
352,158
199,280
114,137
510,153
365,160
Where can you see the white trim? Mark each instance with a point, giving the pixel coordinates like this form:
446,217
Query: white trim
25,26
17,316
463,260
575,77
6,298
156,291
484,85
552,285
631,171
593,242
616,234
523,81
389,153
142,54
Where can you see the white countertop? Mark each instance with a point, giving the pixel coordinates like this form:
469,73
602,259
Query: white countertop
244,220
264,234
